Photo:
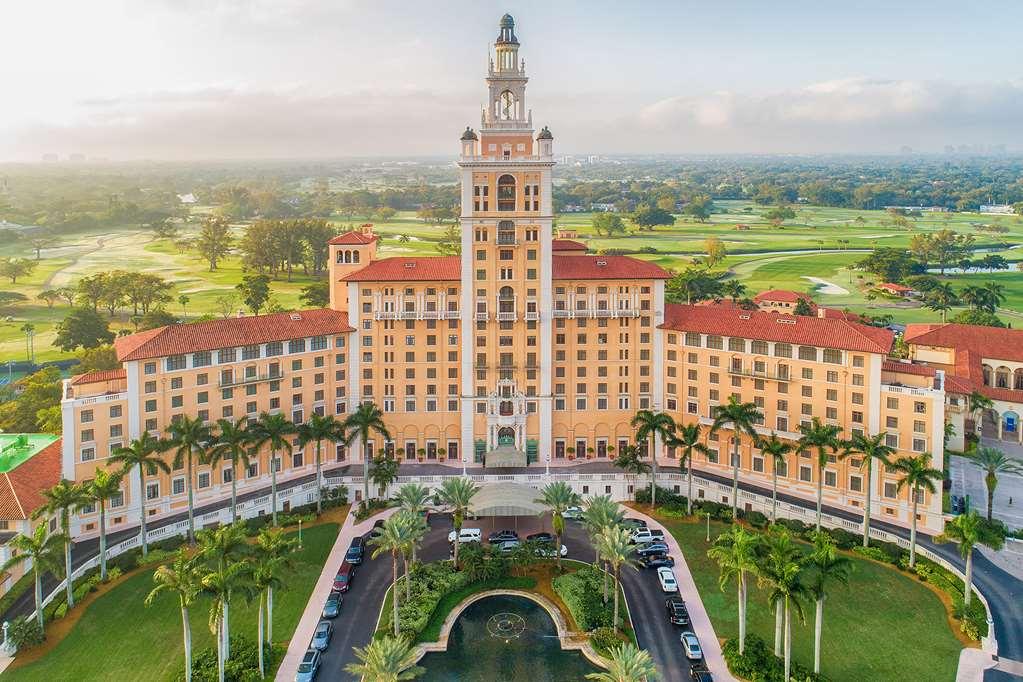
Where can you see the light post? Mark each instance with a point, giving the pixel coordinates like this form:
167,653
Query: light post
708,526
300,533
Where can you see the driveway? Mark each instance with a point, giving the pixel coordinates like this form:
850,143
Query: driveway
968,479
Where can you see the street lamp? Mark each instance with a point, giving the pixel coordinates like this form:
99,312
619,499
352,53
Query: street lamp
708,526
300,533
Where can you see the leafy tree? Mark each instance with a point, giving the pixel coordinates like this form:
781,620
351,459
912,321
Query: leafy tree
736,554
184,579
384,471
35,393
608,224
823,438
779,214
917,475
156,318
741,418
557,497
980,318
388,659
457,493
649,217
826,566
214,242
97,359
254,291
687,441
450,243
9,298
272,430
14,268
699,208
627,663
651,427
994,462
42,550
969,530
716,251
693,285
316,295
189,438
804,308
49,296
890,264
82,328
61,499
868,448
142,453
365,420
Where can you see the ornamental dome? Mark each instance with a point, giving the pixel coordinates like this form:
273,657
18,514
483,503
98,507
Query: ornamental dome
545,134
469,134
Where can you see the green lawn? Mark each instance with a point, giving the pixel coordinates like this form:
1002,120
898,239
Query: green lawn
884,626
119,639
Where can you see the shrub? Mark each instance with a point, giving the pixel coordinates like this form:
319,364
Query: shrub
665,497
871,553
430,583
243,666
582,593
758,663
603,638
368,507
844,539
757,519
125,562
794,525
25,633
717,511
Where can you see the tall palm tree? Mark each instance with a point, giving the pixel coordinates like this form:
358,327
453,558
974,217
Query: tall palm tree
457,493
414,498
917,475
184,579
144,455
968,530
221,585
869,448
629,461
822,438
741,418
365,420
650,427
43,551
994,462
267,573
61,499
687,441
393,537
316,430
736,553
272,543
941,298
779,552
232,443
789,590
615,544
101,489
778,450
627,663
388,659
827,566
977,403
189,438
219,548
557,497
600,513
272,430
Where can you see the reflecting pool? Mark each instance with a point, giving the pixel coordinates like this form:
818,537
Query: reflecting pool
505,638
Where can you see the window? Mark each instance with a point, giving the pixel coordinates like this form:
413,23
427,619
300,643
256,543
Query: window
203,480
890,489
176,362
506,193
830,478
807,353
805,474
178,486
832,356
152,490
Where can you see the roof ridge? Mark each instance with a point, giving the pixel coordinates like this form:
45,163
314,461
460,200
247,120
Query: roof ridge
14,494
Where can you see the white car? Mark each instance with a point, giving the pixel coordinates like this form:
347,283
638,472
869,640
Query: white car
641,536
667,579
691,646
467,535
572,513
547,551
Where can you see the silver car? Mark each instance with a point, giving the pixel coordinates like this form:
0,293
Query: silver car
309,666
691,646
321,638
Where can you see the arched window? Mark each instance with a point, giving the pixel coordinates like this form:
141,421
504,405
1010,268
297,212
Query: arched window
1002,377
987,375
348,256
1017,380
506,193
355,256
506,300
506,232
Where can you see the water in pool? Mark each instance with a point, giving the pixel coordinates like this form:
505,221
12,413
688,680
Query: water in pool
505,638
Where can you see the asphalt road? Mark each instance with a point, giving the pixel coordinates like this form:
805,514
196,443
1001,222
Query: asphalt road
357,621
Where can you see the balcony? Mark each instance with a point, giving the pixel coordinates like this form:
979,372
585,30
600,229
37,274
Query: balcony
532,315
507,316
253,379
385,315
506,240
784,378
562,313
481,316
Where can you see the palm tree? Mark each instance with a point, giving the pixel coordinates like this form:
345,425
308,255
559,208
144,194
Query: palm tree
687,441
457,493
272,430
272,543
994,462
414,498
143,453
388,659
394,536
627,663
601,512
779,552
787,589
977,403
220,548
778,450
661,426
558,497
232,444
870,448
184,579
629,461
43,551
266,575
189,438
918,475
742,417
61,499
827,567
384,472
366,419
968,530
316,430
822,437
736,554
100,490
221,585
615,544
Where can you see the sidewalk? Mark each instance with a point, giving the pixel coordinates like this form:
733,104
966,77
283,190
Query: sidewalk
699,620
311,616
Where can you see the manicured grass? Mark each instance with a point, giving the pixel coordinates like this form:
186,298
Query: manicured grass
118,638
883,626
451,600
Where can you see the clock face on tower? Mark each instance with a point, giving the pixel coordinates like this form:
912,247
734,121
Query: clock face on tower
507,105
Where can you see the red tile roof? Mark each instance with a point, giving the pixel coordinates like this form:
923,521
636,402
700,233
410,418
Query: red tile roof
21,488
990,342
568,245
230,332
900,288
409,269
729,320
782,296
97,377
907,368
354,239
606,267
836,314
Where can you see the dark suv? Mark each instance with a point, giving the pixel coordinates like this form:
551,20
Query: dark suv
652,548
355,553
678,614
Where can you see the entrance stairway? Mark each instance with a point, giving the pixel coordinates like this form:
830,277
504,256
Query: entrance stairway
504,456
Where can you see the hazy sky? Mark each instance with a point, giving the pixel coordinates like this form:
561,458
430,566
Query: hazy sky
182,79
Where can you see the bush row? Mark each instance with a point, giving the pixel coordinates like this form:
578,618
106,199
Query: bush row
429,584
582,593
243,666
759,664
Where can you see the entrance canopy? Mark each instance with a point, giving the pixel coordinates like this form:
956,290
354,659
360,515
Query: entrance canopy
506,498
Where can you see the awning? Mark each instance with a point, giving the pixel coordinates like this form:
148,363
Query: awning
506,498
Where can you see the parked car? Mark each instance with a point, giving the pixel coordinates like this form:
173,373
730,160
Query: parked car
547,551
321,637
508,546
309,666
699,673
354,554
572,513
666,577
641,535
678,614
332,607
656,561
691,646
540,537
343,579
652,548
632,522
499,536
467,535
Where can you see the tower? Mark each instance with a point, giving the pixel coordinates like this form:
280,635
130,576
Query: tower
506,270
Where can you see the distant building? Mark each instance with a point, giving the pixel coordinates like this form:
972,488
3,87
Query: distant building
897,289
997,209
187,198
922,209
603,207
781,300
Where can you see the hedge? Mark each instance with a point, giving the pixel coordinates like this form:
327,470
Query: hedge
759,664
581,591
243,666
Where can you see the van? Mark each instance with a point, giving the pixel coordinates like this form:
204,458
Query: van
343,579
467,535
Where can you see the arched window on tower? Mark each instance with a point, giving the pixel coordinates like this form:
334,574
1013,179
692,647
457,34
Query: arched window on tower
506,300
506,193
